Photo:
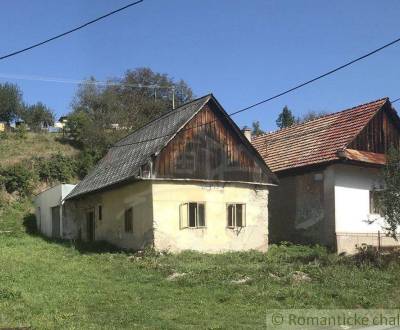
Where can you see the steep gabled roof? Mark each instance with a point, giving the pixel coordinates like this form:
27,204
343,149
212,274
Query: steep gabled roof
317,141
124,159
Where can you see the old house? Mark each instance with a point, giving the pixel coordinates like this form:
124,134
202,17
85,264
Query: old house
329,171
189,179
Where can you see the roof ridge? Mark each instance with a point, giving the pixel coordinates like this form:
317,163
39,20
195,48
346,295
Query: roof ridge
296,125
162,116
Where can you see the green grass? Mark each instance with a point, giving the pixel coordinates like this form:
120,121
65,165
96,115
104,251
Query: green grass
50,285
13,150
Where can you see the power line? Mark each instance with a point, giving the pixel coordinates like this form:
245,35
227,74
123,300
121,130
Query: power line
80,81
70,31
318,77
288,90
213,121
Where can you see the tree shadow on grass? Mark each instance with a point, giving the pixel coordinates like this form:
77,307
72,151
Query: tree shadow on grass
29,222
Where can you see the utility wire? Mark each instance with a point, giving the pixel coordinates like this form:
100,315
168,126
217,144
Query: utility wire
213,121
81,81
70,31
286,91
318,77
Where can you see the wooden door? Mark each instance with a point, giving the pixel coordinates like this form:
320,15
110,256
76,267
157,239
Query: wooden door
90,226
55,222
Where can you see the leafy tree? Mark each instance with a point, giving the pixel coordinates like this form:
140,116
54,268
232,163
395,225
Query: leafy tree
285,118
310,115
389,199
37,116
257,128
10,102
102,114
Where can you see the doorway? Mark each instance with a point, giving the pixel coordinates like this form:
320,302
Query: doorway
90,226
55,222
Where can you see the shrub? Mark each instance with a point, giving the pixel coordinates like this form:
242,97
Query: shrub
18,178
56,168
85,162
21,132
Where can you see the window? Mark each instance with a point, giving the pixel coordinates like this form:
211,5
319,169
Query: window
100,212
192,215
236,215
374,201
129,220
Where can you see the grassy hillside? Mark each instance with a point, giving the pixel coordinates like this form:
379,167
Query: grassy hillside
58,285
13,149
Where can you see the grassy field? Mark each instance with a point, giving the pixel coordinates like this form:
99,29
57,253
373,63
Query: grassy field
58,285
13,150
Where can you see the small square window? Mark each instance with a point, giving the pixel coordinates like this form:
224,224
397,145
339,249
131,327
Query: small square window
129,220
192,215
236,215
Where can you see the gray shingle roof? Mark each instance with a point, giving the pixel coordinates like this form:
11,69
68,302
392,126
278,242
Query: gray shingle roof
124,159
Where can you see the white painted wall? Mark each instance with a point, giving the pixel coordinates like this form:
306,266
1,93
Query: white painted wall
44,201
352,187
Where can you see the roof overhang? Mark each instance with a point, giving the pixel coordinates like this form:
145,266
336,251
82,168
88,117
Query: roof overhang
362,156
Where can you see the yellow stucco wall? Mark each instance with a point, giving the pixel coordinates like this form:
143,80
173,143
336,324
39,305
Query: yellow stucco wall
114,203
156,216
216,237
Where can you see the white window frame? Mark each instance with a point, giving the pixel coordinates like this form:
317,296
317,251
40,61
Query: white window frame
184,215
234,226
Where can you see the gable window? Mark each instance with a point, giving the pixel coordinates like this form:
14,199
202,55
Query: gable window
375,197
236,214
129,220
100,212
192,215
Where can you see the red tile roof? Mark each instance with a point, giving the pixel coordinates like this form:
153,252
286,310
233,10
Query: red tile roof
316,141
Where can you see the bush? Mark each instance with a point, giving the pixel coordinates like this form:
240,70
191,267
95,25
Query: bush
58,168
21,132
18,178
85,162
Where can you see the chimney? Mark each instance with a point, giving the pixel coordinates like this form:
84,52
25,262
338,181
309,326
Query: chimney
247,132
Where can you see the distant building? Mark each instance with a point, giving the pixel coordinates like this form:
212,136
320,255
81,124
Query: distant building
3,126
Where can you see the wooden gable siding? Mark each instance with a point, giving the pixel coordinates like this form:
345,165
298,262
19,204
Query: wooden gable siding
208,149
380,133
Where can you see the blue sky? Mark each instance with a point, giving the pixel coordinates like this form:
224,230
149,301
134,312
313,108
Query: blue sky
242,51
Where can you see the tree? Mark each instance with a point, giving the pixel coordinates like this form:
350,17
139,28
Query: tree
10,102
310,115
127,103
37,116
389,198
285,118
257,128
